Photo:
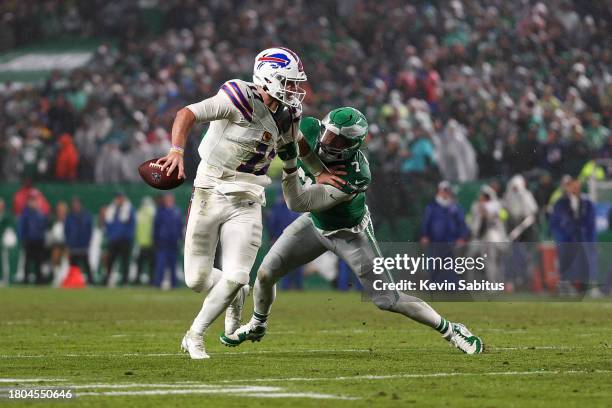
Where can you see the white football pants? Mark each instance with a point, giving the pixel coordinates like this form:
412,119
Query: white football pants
233,220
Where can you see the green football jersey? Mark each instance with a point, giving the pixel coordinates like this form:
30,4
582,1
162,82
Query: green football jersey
346,214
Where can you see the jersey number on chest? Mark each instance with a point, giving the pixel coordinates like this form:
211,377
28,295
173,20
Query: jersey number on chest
258,157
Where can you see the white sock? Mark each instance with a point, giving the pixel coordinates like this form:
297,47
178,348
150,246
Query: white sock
216,302
233,314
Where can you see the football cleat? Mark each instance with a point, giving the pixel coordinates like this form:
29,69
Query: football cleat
464,340
245,332
233,313
194,345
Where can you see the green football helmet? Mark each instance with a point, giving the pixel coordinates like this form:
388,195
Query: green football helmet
343,132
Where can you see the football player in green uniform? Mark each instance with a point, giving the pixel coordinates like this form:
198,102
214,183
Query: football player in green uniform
336,220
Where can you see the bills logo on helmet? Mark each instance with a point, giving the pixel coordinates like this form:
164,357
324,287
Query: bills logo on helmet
275,60
299,61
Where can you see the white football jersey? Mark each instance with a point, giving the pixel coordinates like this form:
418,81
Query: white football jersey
240,143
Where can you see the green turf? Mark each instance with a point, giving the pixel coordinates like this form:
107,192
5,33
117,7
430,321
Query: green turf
538,354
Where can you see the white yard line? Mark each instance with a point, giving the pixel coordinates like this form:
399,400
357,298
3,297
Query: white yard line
426,375
186,389
99,386
245,393
226,388
312,395
208,389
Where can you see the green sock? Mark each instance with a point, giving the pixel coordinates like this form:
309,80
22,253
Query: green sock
260,318
444,327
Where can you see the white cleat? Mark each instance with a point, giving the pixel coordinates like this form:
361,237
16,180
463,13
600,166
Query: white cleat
464,340
194,345
233,313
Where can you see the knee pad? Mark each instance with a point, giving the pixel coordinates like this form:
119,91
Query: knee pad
270,265
197,285
263,275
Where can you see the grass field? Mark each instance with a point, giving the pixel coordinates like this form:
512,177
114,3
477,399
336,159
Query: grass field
121,348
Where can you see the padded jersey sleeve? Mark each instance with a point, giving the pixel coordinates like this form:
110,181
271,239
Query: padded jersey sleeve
233,102
315,197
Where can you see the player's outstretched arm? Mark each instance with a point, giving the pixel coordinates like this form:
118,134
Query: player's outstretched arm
216,107
316,197
181,127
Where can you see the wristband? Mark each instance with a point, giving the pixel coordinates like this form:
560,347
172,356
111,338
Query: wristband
177,149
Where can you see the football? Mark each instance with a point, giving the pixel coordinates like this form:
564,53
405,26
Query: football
152,174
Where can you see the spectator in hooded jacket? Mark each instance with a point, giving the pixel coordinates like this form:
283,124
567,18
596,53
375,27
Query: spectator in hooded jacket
444,219
489,232
456,156
119,222
572,225
67,159
443,228
167,231
78,230
24,194
32,228
522,210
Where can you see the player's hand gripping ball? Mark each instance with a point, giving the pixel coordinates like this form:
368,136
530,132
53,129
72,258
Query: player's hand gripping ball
152,174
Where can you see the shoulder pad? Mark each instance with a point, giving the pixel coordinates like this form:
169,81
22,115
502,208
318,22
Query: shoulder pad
284,118
241,96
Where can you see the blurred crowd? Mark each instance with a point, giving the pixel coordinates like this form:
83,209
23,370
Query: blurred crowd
506,225
103,246
124,244
455,90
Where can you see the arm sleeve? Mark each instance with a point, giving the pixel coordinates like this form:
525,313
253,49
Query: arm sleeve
316,197
310,158
215,108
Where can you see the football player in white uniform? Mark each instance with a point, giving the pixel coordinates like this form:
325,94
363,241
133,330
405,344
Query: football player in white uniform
249,124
